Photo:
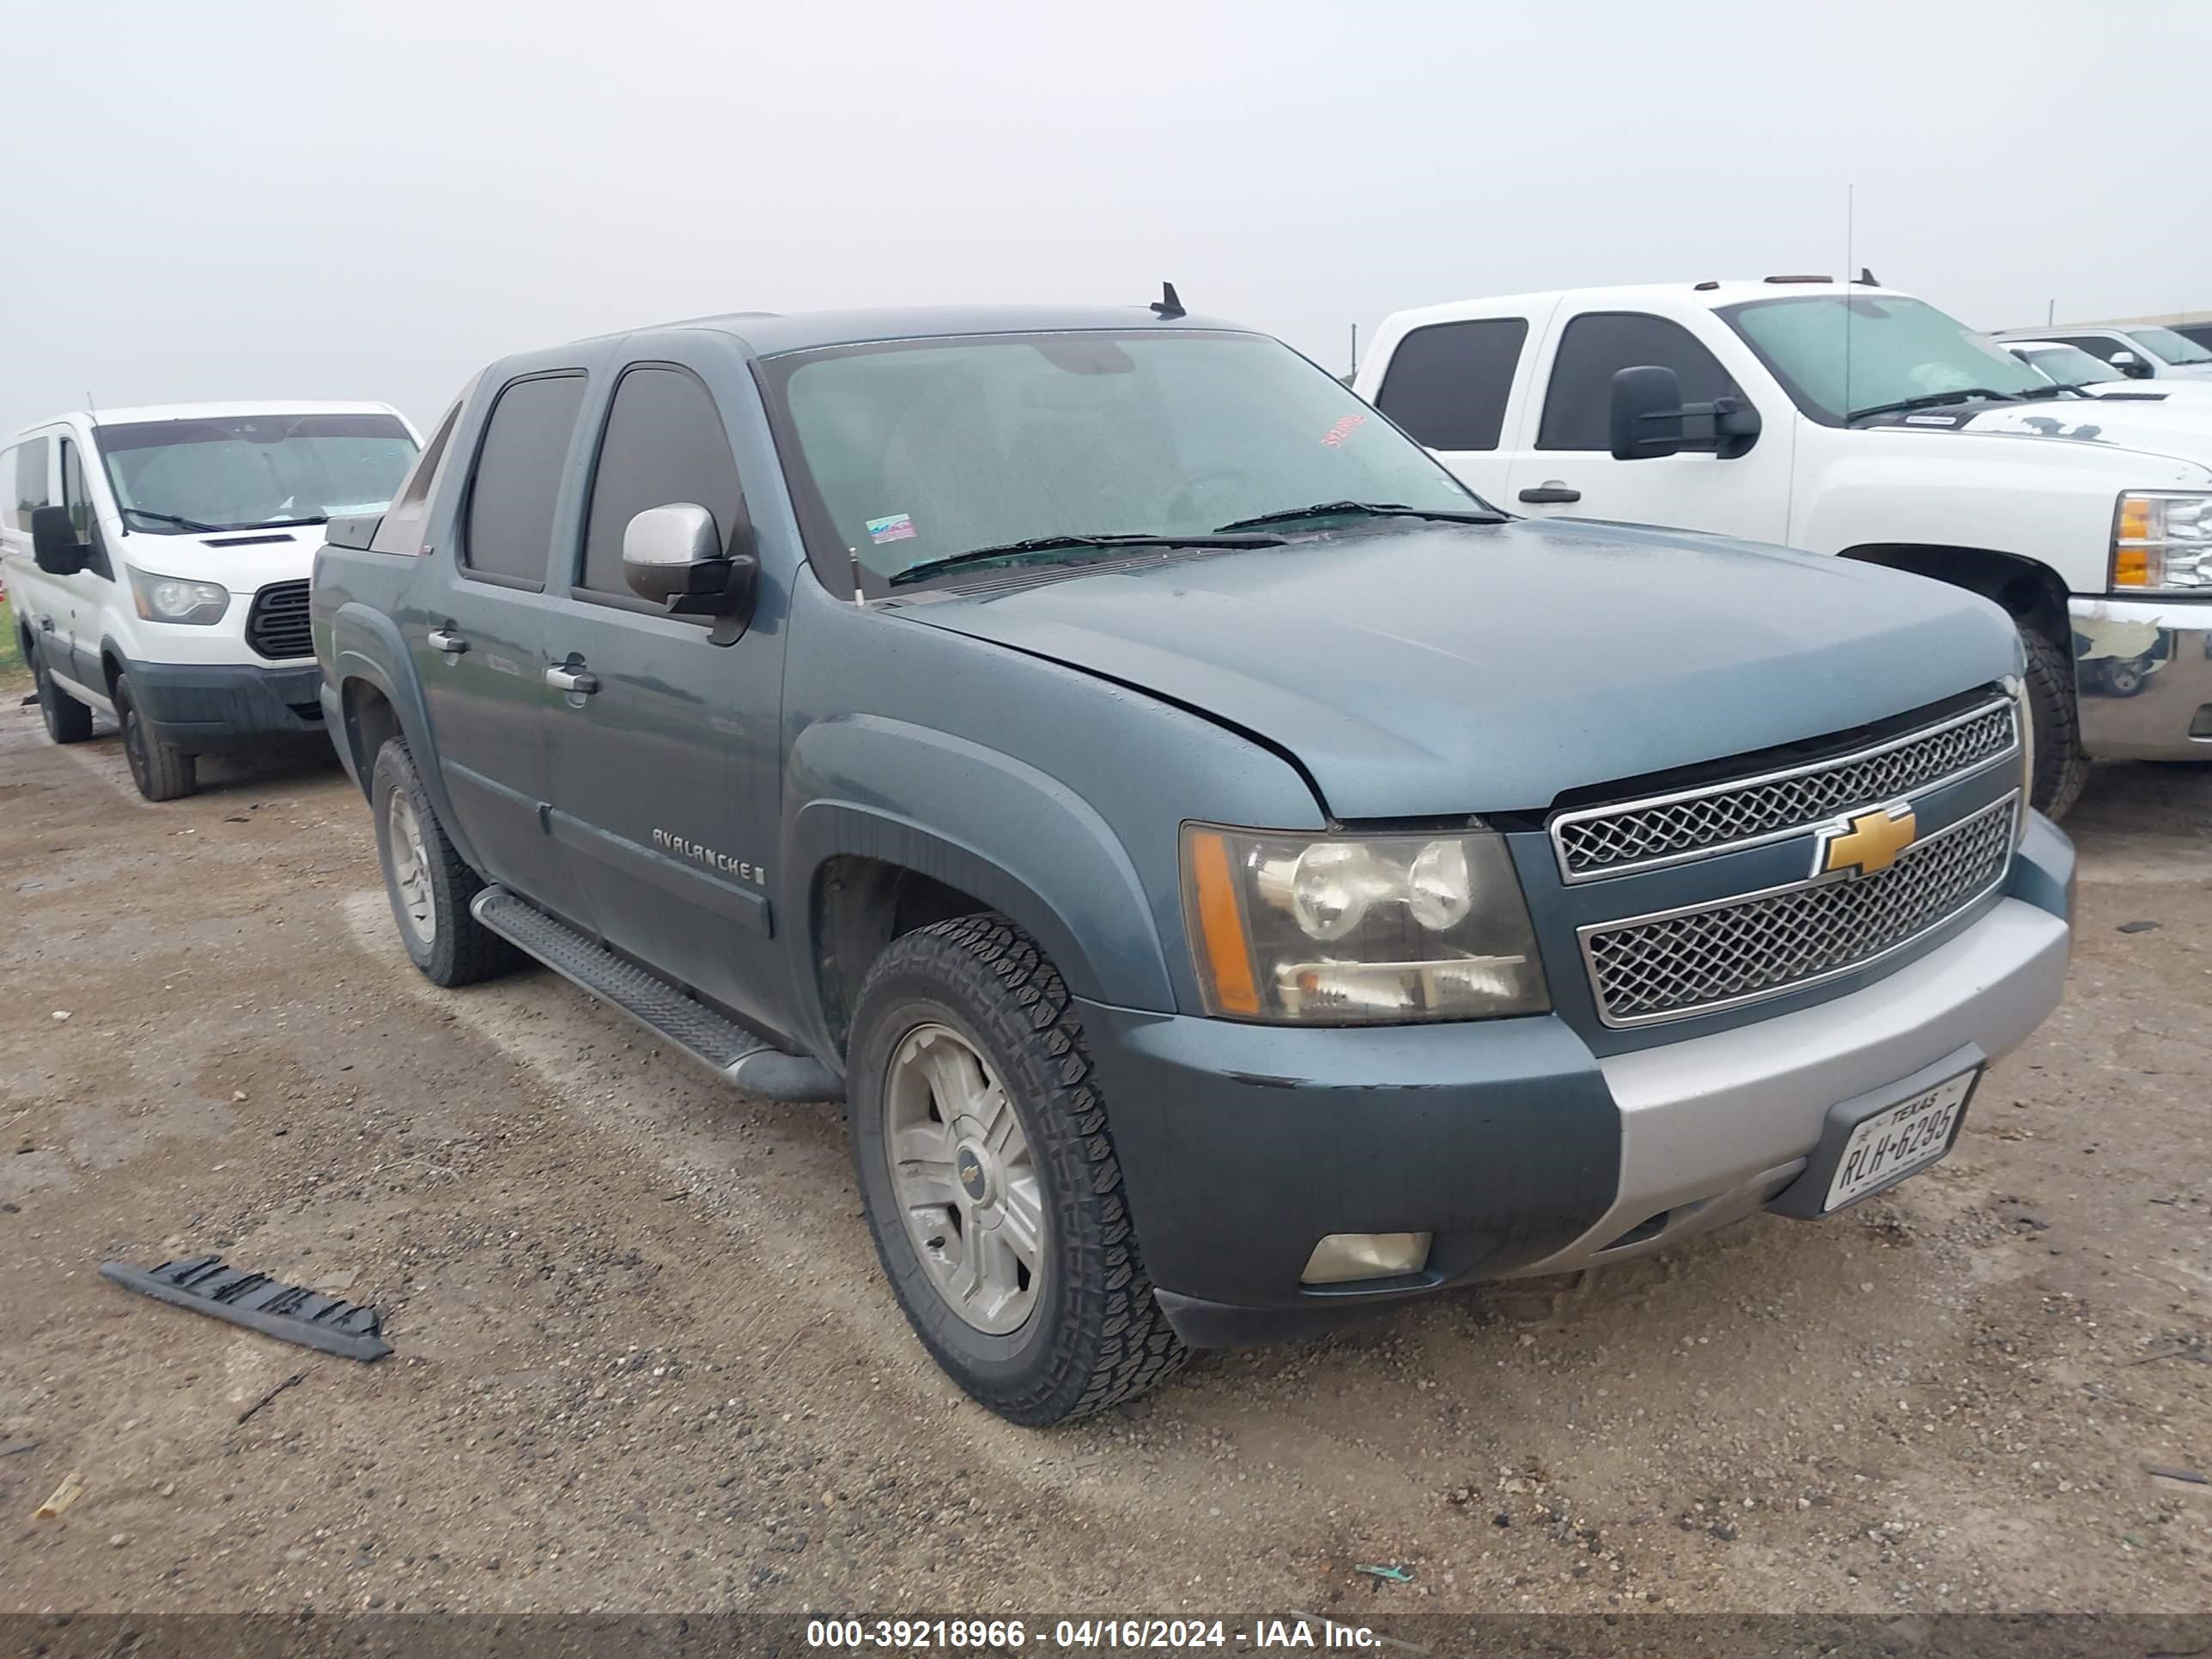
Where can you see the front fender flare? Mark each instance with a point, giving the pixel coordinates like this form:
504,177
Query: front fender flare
1017,838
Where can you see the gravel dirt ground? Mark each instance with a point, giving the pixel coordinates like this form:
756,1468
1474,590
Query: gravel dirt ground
645,1361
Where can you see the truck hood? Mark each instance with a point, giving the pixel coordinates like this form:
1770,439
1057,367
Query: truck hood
2179,427
1431,671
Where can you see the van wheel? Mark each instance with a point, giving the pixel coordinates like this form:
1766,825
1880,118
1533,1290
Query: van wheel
2061,766
67,719
988,1173
161,771
426,880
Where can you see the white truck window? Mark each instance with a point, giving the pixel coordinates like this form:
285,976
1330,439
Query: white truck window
1598,344
30,492
1447,383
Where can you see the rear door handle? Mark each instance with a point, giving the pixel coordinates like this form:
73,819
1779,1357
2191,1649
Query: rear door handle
444,640
1550,493
562,679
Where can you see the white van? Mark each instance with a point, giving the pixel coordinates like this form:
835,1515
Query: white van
158,558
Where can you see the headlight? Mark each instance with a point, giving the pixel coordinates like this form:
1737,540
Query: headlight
1337,930
174,599
2162,542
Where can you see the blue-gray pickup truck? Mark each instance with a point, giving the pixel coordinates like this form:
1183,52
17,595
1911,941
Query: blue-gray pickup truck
1233,876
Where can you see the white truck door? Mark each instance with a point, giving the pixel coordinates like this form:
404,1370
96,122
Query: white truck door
1566,468
1456,387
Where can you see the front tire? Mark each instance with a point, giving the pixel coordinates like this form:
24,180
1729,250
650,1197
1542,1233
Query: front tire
161,771
988,1173
2062,767
67,719
427,882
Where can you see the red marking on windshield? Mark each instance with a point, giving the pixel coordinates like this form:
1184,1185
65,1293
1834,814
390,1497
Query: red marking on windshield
1335,435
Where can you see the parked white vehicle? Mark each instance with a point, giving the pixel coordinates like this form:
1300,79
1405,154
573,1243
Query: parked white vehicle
2140,351
158,558
1850,419
2069,366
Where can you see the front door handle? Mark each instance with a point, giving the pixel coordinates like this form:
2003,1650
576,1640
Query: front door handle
444,640
1550,493
563,678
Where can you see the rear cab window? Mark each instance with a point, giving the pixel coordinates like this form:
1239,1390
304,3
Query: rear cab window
506,532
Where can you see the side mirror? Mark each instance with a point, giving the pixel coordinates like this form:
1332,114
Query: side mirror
2131,365
1648,418
1647,413
673,555
55,548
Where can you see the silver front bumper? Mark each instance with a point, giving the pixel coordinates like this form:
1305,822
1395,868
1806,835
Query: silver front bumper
2142,673
1713,1128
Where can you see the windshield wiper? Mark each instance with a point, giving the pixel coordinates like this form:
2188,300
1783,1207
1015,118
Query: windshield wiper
267,524
1366,510
1935,399
171,517
1013,552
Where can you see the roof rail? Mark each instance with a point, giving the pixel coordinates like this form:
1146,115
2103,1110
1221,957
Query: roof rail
1799,279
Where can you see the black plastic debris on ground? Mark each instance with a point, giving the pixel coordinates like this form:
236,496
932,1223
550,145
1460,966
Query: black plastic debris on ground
291,1313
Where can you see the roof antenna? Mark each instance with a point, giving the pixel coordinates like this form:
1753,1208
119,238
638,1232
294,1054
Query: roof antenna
91,407
1167,307
1851,202
1867,278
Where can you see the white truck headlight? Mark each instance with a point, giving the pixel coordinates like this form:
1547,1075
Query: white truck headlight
1344,930
2162,543
177,599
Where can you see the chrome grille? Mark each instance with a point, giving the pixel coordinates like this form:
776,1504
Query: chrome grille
1677,963
1639,834
278,624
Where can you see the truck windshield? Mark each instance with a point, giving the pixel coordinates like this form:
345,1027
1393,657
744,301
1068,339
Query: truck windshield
2068,365
2174,347
915,451
1898,350
240,472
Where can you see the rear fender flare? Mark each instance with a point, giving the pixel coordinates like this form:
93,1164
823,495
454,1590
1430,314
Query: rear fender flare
366,645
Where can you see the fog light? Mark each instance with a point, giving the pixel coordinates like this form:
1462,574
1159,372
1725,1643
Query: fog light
1342,1257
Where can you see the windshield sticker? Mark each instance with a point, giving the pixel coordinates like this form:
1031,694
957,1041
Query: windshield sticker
1335,435
899,527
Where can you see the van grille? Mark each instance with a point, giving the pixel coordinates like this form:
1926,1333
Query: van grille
1638,835
1678,963
276,626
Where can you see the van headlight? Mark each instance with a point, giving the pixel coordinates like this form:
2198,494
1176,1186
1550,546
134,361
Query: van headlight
2162,543
177,599
1342,930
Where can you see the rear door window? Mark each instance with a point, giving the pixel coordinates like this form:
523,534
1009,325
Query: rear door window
664,443
1447,383
517,490
1598,344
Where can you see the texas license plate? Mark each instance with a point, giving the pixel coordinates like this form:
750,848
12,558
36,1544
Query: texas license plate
1908,1136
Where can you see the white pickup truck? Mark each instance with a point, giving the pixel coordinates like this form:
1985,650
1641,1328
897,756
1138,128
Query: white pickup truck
1850,419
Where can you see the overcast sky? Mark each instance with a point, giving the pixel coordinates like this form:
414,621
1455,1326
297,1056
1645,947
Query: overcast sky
371,201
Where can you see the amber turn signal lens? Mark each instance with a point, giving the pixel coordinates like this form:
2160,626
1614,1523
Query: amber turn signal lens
1225,961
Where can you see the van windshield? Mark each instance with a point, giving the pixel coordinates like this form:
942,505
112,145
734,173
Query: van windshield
2174,347
1837,356
238,473
920,451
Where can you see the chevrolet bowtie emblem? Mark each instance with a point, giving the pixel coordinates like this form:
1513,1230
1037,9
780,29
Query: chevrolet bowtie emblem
1866,843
